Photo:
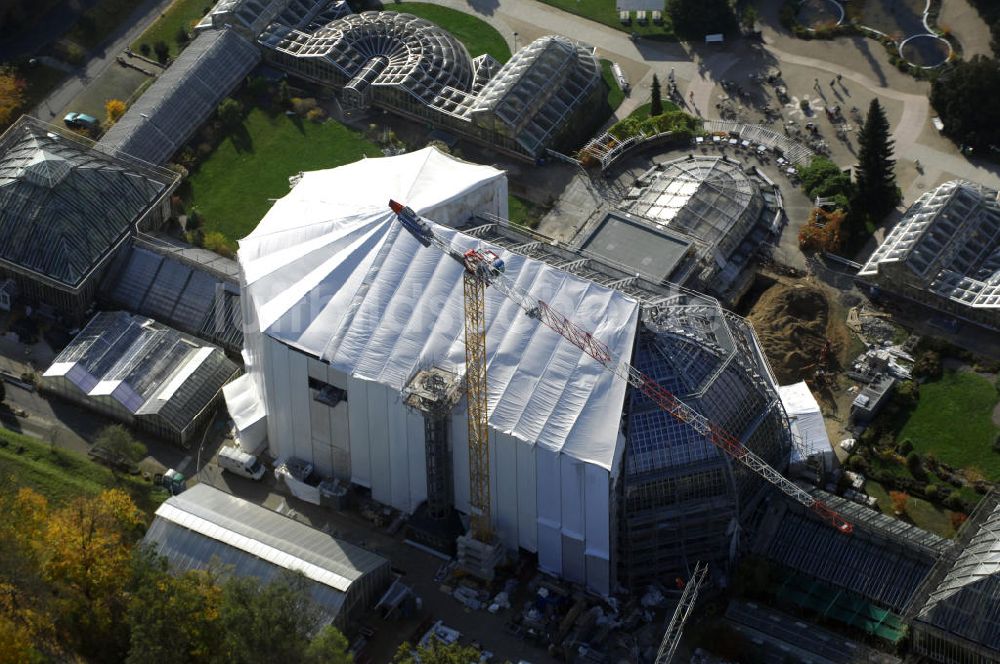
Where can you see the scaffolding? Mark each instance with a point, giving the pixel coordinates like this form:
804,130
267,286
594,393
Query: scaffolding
434,392
675,628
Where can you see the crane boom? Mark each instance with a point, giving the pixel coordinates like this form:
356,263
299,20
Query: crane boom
489,268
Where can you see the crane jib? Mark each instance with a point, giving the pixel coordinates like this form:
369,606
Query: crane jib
489,268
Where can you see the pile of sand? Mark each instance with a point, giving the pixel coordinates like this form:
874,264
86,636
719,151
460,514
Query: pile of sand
791,322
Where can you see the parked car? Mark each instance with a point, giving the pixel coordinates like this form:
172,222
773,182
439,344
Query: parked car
80,120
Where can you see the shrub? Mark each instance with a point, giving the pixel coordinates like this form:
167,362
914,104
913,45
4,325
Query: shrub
907,393
928,365
316,114
905,447
145,49
804,105
858,463
899,500
182,37
957,519
302,106
230,114
114,109
194,220
931,492
914,463
217,242
955,503
162,51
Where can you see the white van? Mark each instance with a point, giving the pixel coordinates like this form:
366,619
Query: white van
240,463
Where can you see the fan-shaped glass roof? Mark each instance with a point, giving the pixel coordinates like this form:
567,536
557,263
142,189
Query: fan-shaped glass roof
412,54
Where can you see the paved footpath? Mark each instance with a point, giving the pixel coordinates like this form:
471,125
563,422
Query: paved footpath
101,58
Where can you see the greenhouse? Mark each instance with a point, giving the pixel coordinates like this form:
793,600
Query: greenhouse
66,210
142,373
726,210
961,620
183,96
945,253
410,66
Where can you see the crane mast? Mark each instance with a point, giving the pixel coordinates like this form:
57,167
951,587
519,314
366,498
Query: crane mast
488,268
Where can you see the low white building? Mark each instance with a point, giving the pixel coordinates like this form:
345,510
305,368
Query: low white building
343,307
805,419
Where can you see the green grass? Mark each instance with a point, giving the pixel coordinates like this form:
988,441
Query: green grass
952,420
232,187
61,475
603,11
180,14
921,513
642,112
523,212
478,36
615,94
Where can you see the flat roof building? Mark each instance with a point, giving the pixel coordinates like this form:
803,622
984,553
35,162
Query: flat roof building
67,208
204,526
141,373
945,253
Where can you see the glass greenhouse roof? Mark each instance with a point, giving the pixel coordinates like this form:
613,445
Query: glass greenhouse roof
965,602
949,239
64,205
147,368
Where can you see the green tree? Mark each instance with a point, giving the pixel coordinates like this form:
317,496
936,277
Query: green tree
958,95
328,647
119,443
877,193
277,622
656,98
436,652
162,51
171,618
697,18
230,113
12,89
824,179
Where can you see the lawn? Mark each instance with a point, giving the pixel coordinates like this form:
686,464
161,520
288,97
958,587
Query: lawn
952,419
180,14
523,212
232,188
478,36
642,112
921,513
603,11
615,94
61,475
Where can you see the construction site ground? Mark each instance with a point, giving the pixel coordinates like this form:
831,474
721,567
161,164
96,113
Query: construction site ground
795,315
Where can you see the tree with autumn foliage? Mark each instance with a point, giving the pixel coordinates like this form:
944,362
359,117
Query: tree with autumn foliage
823,232
12,89
86,558
113,109
899,500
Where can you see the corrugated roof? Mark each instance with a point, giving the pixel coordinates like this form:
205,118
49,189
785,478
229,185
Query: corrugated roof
206,522
64,206
183,97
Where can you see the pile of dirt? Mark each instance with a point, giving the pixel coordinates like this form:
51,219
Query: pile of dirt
791,321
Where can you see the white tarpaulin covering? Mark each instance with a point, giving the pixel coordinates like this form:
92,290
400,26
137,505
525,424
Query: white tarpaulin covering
247,410
337,294
806,422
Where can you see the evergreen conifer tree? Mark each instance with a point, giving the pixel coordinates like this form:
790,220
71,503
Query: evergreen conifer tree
877,193
656,100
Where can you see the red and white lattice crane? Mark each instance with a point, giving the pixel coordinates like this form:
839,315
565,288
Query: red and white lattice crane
488,269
